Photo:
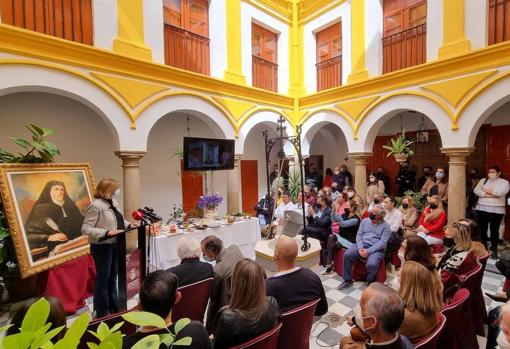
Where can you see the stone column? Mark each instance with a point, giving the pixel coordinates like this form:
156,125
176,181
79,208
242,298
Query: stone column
360,172
131,188
456,182
234,192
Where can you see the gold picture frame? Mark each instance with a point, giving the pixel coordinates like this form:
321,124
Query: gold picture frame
44,205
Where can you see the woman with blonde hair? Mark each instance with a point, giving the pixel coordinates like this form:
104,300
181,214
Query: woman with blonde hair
458,259
409,216
102,222
250,313
361,207
422,293
432,221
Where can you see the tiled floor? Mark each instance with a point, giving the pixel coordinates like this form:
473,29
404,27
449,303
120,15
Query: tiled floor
328,329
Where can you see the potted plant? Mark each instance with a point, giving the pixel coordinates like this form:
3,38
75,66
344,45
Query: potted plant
400,148
36,150
294,183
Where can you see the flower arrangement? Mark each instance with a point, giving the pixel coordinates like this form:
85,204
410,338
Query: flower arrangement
210,202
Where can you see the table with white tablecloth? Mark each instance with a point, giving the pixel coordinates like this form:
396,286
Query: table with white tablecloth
245,234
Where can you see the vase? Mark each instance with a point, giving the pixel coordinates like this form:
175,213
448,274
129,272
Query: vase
401,157
210,214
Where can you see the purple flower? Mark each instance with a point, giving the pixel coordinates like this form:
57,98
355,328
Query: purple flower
210,202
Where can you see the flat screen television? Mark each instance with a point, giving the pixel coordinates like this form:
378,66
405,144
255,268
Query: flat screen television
208,154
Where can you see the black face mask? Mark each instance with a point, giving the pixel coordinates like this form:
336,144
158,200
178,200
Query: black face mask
334,190
448,242
346,211
376,201
433,206
372,216
405,206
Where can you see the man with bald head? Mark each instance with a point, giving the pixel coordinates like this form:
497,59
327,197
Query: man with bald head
371,240
293,286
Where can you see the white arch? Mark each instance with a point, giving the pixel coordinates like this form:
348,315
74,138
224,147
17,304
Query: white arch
199,107
263,117
392,106
482,108
28,78
319,119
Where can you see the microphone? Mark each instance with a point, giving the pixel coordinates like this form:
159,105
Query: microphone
146,214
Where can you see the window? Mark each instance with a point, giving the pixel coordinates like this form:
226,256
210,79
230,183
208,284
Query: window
264,54
329,57
66,19
405,29
187,34
499,21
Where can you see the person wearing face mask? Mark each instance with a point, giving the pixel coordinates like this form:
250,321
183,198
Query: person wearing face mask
102,222
490,208
405,178
432,222
409,216
334,191
226,259
371,240
394,218
319,223
340,176
427,173
438,187
458,258
377,200
374,186
381,315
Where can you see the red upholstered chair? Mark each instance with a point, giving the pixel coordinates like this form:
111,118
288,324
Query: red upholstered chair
477,310
395,261
267,340
193,301
296,327
431,341
439,248
111,320
359,271
506,285
483,260
339,261
457,333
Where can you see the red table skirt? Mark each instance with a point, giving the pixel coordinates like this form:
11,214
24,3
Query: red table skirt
72,283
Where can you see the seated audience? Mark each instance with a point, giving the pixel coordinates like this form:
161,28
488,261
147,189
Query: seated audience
328,193
361,209
349,225
299,203
350,191
371,241
432,221
286,205
158,295
334,191
226,259
422,293
374,186
249,313
293,286
319,220
382,313
309,195
458,258
338,208
264,210
191,269
409,216
477,246
394,218
57,317
377,200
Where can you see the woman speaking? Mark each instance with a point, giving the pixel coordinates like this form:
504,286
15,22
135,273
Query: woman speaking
101,224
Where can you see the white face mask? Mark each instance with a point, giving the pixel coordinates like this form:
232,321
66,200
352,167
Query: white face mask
492,176
116,193
439,175
502,341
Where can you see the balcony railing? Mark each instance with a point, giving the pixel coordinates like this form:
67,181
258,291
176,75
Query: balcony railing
329,73
499,21
264,74
405,49
66,19
186,50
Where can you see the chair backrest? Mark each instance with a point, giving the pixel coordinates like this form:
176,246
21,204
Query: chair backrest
296,327
471,279
267,340
483,259
456,302
431,341
194,298
110,320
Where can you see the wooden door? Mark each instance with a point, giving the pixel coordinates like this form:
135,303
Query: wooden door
498,153
192,188
404,38
329,57
379,159
499,21
265,57
249,185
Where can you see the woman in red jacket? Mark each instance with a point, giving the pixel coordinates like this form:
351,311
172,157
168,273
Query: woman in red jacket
432,221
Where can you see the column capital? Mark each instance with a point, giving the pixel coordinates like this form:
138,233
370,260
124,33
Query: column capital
130,158
360,156
238,157
461,151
